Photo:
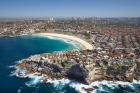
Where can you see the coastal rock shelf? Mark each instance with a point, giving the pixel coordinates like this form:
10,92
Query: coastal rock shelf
84,66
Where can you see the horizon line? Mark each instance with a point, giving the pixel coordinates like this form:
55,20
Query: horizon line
67,17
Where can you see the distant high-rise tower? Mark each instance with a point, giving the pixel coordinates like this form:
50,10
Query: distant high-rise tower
51,19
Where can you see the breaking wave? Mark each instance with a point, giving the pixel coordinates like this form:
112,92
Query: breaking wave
34,80
109,87
97,86
59,84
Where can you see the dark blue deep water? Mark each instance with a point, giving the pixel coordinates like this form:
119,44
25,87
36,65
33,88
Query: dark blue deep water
13,49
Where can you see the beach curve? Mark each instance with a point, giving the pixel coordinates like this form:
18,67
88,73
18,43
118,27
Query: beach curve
84,45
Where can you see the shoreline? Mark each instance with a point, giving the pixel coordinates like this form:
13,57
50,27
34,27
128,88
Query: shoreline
82,88
84,45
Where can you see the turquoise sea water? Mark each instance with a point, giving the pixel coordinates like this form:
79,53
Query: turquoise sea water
13,49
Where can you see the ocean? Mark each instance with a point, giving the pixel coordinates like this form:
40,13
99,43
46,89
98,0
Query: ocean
13,49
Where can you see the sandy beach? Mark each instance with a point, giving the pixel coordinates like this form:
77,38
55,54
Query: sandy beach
85,45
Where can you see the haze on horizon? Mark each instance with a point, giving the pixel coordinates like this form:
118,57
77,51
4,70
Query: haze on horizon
69,8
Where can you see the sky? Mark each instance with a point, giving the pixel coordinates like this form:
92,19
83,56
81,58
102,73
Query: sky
69,8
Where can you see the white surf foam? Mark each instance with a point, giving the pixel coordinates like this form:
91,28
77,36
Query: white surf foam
17,71
11,66
79,87
110,84
59,84
34,80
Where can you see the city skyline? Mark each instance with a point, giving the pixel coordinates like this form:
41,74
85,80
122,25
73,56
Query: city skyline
71,8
